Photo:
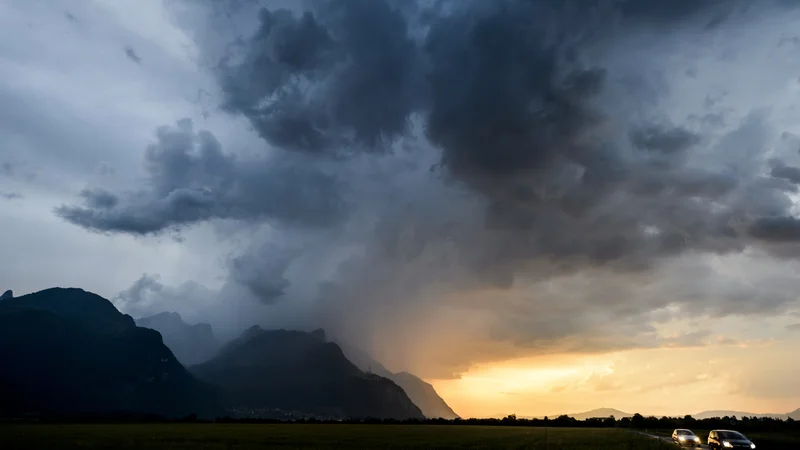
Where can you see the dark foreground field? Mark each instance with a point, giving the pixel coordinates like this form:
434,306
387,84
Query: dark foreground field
246,436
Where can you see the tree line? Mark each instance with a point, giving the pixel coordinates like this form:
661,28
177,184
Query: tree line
636,422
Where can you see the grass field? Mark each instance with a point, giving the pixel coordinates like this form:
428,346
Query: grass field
246,436
763,441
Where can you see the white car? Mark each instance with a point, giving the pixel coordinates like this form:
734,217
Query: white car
684,437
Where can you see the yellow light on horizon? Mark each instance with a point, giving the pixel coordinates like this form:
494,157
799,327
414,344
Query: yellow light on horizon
631,381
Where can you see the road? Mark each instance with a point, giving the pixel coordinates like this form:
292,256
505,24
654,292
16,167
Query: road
669,439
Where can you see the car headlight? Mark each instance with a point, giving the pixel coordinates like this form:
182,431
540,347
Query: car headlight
727,444
697,439
752,445
681,438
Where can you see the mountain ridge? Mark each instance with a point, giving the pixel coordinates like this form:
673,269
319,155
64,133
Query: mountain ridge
618,414
90,310
273,371
795,415
190,343
422,393
103,361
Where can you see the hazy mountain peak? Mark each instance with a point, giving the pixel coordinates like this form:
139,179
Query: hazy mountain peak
424,395
740,414
7,294
166,315
191,344
591,414
421,393
606,412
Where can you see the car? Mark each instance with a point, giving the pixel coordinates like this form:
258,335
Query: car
725,439
684,437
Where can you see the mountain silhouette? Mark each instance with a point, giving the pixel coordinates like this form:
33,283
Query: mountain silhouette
724,413
7,295
421,393
301,372
606,412
424,395
68,351
191,344
600,413
85,308
592,414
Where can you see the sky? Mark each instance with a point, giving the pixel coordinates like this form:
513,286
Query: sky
540,207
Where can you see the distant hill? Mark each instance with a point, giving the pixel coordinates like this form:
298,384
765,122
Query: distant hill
593,414
421,393
600,412
70,351
606,412
280,370
723,413
191,344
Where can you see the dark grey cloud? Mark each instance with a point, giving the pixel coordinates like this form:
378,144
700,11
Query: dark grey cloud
342,75
502,92
667,141
434,149
99,199
190,179
678,9
131,54
776,229
11,195
788,173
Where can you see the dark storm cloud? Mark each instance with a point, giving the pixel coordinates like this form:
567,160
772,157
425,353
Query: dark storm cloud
482,146
498,105
776,229
788,173
341,76
191,179
99,199
667,141
503,94
675,9
501,89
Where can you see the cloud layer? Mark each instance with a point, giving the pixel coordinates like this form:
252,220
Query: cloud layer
456,181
